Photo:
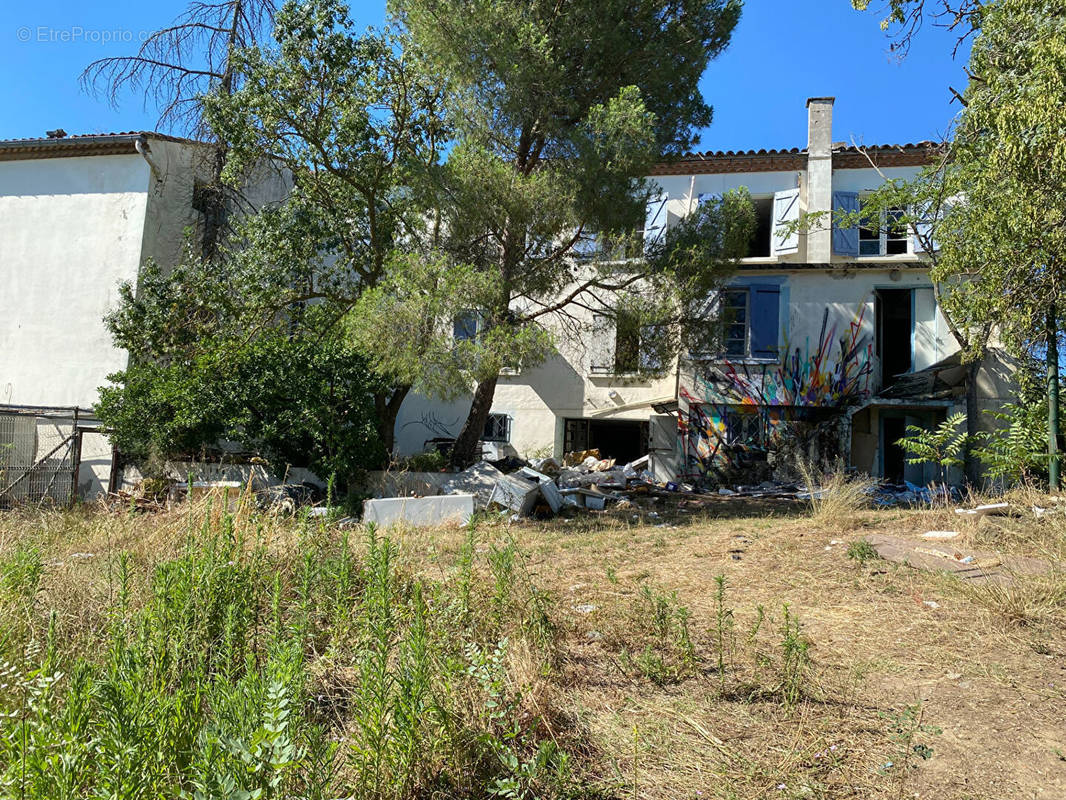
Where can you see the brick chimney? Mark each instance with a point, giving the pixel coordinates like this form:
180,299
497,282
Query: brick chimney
819,177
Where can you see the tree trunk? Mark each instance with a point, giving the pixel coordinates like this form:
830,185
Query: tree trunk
464,451
1053,398
971,465
387,405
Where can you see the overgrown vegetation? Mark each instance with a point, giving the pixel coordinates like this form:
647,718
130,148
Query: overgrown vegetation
229,667
218,653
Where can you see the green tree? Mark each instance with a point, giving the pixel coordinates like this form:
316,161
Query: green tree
349,121
559,110
296,401
1000,233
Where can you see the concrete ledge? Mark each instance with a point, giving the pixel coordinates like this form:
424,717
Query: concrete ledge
449,509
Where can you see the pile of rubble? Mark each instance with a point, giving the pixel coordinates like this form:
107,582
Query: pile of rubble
546,487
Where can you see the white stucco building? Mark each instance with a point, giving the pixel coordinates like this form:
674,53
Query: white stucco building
825,321
80,215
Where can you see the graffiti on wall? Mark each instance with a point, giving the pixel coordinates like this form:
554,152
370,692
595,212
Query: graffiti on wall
736,413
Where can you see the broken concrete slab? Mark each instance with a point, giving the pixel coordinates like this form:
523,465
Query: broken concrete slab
969,565
478,480
445,509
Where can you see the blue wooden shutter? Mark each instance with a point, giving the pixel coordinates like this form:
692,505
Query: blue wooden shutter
764,316
655,220
845,240
786,210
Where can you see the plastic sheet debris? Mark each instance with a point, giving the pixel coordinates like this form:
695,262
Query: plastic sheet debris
940,534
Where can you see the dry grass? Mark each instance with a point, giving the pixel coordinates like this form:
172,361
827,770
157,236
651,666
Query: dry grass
837,499
985,663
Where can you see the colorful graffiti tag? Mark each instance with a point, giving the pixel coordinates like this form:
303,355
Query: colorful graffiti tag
737,408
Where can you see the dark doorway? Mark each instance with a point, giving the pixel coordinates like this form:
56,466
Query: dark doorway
894,326
623,440
892,430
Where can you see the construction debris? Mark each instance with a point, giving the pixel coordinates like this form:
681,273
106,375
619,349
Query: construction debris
516,493
940,534
478,480
419,511
981,511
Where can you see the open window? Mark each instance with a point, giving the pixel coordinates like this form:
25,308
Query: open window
750,321
761,245
622,346
884,234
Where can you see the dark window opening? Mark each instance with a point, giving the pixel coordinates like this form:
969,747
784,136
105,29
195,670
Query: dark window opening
626,344
893,339
760,242
622,440
497,428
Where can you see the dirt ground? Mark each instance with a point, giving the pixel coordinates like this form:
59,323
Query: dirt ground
982,669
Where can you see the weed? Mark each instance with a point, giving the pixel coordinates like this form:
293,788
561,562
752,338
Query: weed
862,551
906,733
836,499
723,626
795,658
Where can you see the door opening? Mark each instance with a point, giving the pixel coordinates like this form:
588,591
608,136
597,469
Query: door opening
623,440
892,430
895,323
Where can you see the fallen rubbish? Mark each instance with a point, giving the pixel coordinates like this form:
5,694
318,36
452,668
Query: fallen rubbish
419,511
516,493
478,480
981,511
974,566
548,489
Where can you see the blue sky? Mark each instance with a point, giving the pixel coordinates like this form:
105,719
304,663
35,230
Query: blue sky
781,53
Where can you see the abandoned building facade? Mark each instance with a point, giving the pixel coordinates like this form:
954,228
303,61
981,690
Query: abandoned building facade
80,215
821,326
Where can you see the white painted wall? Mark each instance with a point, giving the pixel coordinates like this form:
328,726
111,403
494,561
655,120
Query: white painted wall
70,232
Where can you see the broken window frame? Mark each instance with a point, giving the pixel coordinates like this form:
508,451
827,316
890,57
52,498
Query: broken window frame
497,428
890,234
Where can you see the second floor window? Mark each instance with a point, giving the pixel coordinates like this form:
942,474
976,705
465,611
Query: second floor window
735,322
884,235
